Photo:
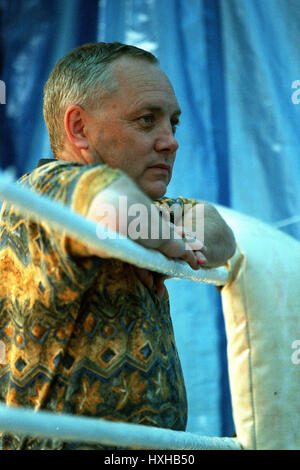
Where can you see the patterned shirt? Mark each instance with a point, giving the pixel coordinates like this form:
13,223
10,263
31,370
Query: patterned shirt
80,334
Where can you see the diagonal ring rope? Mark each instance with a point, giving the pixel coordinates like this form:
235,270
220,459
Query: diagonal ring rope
62,218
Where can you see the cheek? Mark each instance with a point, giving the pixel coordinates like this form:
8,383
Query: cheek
139,151
132,143
128,149
140,143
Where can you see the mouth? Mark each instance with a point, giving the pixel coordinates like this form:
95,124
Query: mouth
162,168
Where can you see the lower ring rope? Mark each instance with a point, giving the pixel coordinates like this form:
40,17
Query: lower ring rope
90,430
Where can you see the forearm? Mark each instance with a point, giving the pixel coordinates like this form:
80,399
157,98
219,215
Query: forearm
203,221
124,208
218,237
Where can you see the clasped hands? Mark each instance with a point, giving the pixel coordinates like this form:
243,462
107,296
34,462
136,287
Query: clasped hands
184,247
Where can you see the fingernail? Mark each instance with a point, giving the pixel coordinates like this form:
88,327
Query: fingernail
201,259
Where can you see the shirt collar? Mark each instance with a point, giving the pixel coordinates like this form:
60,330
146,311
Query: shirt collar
44,161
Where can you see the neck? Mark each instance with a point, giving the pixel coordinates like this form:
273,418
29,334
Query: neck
70,155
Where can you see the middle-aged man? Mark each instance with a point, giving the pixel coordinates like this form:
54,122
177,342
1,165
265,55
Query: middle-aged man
83,333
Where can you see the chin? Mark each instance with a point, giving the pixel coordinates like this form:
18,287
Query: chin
156,193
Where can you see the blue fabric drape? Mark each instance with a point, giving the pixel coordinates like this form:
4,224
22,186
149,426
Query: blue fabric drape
34,35
232,64
261,58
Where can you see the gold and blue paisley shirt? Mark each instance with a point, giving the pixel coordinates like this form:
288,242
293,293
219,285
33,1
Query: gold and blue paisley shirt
81,335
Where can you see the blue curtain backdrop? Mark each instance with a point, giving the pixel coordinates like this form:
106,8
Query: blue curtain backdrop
232,64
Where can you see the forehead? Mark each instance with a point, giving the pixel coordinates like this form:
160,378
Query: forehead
143,84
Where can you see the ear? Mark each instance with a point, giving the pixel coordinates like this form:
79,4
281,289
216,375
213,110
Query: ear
75,127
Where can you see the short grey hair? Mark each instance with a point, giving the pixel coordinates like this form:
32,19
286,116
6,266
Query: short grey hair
82,77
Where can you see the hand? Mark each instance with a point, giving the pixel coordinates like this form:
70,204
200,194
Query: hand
185,247
192,254
152,279
204,219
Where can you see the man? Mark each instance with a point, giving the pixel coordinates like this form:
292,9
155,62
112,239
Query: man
85,334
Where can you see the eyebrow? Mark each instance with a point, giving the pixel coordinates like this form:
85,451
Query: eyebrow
177,111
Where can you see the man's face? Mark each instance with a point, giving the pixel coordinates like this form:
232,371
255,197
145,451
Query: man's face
134,128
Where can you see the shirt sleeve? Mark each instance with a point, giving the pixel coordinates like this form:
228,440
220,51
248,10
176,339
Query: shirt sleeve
74,185
174,205
60,261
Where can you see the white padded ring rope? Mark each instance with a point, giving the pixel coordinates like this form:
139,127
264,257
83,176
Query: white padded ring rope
90,430
62,218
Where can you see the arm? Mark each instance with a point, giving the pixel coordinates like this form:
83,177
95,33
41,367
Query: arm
218,237
203,221
159,232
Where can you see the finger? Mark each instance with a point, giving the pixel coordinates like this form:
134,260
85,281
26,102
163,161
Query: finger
159,284
191,258
197,259
189,238
199,249
145,276
148,279
194,243
201,259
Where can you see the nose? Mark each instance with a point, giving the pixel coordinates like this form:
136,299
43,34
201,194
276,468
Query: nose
166,141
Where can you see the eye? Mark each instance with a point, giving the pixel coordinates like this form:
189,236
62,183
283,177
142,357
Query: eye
147,120
175,123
